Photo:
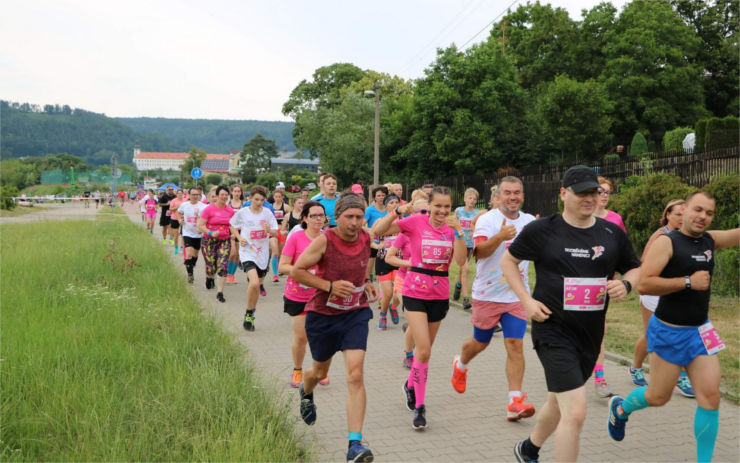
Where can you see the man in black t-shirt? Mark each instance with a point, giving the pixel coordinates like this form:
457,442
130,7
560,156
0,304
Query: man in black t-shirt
678,267
576,255
164,219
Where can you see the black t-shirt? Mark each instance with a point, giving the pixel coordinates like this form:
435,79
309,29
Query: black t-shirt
164,202
561,251
687,307
87,194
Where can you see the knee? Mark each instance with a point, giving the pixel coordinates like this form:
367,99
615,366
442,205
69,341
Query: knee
575,417
355,378
657,398
514,347
422,354
708,399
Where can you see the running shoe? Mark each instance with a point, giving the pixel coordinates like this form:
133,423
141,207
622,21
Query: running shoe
602,389
220,297
209,283
407,361
325,381
410,397
191,278
172,242
518,409
308,408
249,320
394,315
296,378
164,240
382,322
638,376
459,377
466,304
275,279
458,290
358,452
683,385
262,290
615,424
420,419
230,279
176,248
520,457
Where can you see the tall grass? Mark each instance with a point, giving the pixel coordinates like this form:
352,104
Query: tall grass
105,356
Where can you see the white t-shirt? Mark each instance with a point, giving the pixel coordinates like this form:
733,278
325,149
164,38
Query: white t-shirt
190,213
489,284
257,249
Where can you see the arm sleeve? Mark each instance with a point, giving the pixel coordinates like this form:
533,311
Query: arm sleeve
484,228
530,242
407,224
235,221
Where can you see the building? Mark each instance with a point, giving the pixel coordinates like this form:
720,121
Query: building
302,164
147,160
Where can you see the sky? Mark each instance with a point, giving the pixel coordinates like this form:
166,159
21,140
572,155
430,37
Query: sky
222,59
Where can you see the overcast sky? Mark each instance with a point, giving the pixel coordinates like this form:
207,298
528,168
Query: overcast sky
222,59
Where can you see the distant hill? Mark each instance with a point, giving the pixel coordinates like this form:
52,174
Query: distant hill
32,130
212,135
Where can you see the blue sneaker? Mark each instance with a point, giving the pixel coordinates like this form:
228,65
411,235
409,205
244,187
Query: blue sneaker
383,322
615,424
358,452
638,377
308,408
683,385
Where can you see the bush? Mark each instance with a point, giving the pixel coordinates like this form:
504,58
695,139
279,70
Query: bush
639,145
726,216
726,276
641,201
701,134
7,192
673,139
268,179
723,133
213,179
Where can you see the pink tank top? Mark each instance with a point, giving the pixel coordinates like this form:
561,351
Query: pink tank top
342,261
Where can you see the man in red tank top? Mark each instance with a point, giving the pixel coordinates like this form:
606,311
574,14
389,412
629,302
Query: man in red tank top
337,316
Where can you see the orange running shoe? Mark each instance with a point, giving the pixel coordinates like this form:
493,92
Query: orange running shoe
518,409
459,377
296,379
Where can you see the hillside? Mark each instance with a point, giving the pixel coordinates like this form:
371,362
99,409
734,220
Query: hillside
212,135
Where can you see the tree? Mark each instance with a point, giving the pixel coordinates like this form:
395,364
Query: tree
639,145
255,156
195,159
213,179
324,90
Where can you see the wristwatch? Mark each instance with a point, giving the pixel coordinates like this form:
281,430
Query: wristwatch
627,285
688,281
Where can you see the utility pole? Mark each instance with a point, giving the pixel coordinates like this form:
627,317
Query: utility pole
376,153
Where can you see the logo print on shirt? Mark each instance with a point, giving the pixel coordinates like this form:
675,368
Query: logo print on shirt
598,251
708,253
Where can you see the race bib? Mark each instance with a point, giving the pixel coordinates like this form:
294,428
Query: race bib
584,294
466,223
191,219
346,303
279,214
257,234
168,213
709,335
435,251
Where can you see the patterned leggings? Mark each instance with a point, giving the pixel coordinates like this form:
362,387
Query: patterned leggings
216,255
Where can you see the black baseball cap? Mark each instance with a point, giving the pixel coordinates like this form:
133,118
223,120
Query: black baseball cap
580,178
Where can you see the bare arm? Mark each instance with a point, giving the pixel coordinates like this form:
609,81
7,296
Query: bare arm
652,238
489,246
725,238
386,225
284,266
392,259
656,259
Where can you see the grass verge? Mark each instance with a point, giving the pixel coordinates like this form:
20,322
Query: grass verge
98,366
18,211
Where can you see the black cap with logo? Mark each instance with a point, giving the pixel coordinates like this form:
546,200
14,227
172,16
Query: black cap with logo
580,178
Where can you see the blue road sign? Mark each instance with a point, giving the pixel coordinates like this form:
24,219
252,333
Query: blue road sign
196,173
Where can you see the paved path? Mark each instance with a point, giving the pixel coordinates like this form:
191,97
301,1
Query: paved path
68,211
462,427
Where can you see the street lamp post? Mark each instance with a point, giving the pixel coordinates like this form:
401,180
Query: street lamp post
376,151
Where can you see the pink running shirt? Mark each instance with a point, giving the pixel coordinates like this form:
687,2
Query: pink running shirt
430,248
294,247
217,219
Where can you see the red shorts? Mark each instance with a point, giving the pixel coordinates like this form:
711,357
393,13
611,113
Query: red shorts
397,283
388,276
487,314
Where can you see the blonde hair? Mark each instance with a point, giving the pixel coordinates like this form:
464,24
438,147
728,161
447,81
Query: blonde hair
494,189
472,191
418,194
669,208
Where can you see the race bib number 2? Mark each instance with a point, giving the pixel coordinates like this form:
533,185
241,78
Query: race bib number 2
584,294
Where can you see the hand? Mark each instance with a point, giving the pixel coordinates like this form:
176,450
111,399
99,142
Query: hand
452,222
242,241
372,292
700,280
536,310
342,288
406,209
616,289
215,233
508,232
181,221
266,226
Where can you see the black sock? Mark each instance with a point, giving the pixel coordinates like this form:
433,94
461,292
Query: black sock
530,450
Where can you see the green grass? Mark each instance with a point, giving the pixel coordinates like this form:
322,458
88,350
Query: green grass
98,366
624,327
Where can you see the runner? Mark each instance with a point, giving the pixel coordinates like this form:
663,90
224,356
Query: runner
671,220
267,205
427,188
678,267
236,201
280,210
493,299
375,211
188,214
492,204
321,187
253,226
213,223
465,216
296,295
96,196
426,288
174,223
164,218
575,256
294,218
399,256
397,189
149,204
329,197
86,195
338,313
386,273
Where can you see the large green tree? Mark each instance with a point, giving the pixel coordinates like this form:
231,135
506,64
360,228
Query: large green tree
255,157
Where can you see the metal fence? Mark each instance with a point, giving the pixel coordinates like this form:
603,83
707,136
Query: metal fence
542,183
59,176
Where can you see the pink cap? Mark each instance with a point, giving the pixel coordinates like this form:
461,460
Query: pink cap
357,188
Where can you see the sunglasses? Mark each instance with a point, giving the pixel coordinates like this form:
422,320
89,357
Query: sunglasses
422,211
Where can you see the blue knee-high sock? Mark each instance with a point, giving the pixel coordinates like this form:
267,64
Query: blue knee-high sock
634,401
275,260
231,268
706,425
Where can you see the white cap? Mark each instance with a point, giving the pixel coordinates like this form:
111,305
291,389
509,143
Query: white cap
280,185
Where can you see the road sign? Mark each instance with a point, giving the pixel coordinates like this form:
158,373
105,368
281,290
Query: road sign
196,173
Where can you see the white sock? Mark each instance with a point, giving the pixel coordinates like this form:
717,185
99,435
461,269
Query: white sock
513,394
461,366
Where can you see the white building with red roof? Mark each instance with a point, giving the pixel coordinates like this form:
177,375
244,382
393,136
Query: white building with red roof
148,160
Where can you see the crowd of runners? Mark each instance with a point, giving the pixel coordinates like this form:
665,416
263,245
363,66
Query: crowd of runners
341,257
